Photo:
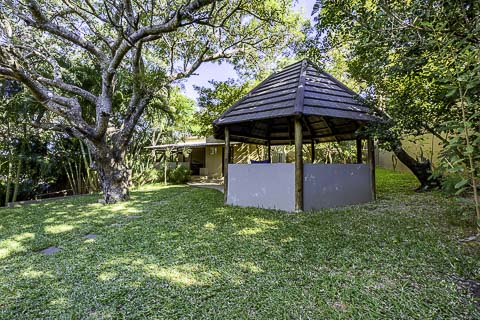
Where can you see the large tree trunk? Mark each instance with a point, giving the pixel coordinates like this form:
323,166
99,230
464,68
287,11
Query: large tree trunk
113,174
421,170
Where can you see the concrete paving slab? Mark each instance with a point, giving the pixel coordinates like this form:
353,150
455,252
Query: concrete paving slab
50,250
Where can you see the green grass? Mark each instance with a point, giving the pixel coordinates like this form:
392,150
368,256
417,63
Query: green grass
188,256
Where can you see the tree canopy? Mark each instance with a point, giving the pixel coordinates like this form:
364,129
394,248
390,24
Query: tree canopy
419,62
80,58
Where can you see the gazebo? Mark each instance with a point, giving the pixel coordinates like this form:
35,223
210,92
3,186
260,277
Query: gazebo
300,104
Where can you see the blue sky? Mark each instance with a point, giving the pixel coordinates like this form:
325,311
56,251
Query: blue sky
208,71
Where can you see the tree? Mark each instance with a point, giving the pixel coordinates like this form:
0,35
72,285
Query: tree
420,62
174,123
134,49
395,49
213,101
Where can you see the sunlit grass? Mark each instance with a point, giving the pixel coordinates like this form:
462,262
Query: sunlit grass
14,244
188,256
59,228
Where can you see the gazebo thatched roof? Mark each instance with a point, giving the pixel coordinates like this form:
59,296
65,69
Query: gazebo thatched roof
329,110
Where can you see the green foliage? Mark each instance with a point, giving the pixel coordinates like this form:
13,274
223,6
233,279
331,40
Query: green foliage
402,52
155,174
29,161
450,182
456,152
216,99
146,175
170,120
419,63
189,256
179,175
335,152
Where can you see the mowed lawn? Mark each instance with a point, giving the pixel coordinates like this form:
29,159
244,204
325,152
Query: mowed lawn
177,252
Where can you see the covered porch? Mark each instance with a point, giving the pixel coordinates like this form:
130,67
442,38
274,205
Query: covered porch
203,156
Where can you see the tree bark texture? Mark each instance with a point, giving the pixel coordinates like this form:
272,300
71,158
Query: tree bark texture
113,174
421,170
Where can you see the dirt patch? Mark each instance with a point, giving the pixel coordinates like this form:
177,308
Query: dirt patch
472,286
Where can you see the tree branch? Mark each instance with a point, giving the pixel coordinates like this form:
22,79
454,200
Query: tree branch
69,88
41,22
68,108
203,58
143,34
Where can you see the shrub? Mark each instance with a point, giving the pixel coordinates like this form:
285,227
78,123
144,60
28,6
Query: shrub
178,175
148,175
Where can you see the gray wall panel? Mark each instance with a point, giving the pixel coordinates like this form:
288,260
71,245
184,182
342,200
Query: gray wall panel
272,186
262,185
334,185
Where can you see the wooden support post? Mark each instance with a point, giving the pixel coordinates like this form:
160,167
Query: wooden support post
269,151
226,161
298,165
359,150
312,146
371,161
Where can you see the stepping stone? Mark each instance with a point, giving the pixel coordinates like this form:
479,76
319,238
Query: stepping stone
116,224
133,217
90,236
50,250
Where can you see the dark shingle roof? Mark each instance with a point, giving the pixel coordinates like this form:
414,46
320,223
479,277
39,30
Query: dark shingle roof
329,109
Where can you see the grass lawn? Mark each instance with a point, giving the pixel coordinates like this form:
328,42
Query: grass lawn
177,252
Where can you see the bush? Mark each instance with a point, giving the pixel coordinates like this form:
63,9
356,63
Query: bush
448,182
149,175
178,175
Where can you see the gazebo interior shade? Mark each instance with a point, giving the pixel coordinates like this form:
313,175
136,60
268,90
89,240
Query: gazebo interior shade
329,110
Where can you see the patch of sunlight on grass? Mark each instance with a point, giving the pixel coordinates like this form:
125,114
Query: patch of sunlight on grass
60,213
59,302
155,187
262,226
130,210
95,205
35,274
266,221
107,276
250,231
90,241
250,267
287,240
221,210
181,275
123,261
14,244
209,226
117,207
23,236
60,228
